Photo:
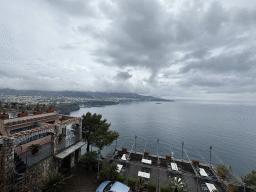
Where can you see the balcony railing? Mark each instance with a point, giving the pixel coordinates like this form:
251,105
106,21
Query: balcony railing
44,152
66,142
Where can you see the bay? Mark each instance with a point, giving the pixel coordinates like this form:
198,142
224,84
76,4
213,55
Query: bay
229,127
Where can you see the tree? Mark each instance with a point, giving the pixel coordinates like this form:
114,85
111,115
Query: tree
251,180
96,131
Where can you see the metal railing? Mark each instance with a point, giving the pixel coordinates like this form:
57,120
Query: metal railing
66,142
44,152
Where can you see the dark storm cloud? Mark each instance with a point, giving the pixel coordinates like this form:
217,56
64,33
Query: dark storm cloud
122,76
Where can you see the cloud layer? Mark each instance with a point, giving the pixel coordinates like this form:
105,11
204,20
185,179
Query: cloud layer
172,49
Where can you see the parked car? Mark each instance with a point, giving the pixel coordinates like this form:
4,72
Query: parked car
113,186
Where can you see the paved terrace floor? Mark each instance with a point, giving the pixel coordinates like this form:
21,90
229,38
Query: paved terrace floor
86,181
164,176
187,175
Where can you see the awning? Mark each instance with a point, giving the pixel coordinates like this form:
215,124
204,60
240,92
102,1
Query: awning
70,150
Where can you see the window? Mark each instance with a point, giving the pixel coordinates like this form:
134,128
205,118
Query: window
35,137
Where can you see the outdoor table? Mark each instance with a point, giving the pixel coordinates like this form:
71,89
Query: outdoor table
210,186
124,157
174,166
119,167
144,175
146,161
202,172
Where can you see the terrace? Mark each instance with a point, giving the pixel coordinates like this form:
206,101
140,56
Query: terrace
195,176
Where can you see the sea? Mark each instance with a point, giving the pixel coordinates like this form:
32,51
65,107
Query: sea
161,127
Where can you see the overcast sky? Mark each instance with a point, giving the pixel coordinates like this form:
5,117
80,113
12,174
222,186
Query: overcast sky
171,49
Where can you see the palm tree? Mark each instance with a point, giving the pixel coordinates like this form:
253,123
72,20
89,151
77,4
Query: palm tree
176,184
111,171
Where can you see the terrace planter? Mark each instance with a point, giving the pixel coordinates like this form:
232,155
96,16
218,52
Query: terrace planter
37,112
220,175
141,187
124,149
168,157
195,162
22,114
34,152
4,116
90,168
131,187
146,153
50,111
103,178
232,189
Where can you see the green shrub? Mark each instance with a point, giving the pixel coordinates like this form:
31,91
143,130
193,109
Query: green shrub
102,173
120,178
233,187
165,188
111,171
251,180
34,147
225,170
55,183
131,181
151,186
89,158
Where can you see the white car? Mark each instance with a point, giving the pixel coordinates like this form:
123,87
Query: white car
113,186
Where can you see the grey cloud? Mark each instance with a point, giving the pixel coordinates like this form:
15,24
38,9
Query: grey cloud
214,18
201,81
244,17
122,76
148,36
90,30
193,48
223,63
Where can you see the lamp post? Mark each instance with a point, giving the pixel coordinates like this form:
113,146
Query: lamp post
245,181
157,148
98,175
158,165
126,156
210,155
182,150
135,143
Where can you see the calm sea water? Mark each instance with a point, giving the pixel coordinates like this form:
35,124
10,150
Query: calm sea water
229,127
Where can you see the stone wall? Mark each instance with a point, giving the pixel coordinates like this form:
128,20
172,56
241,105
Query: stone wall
7,162
39,171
